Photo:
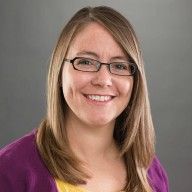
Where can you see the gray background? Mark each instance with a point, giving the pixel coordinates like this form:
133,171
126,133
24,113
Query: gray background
28,32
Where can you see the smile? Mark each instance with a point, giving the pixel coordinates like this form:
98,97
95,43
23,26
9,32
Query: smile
100,98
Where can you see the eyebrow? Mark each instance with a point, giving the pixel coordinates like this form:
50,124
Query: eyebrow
95,55
87,53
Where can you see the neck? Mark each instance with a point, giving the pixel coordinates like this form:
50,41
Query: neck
90,142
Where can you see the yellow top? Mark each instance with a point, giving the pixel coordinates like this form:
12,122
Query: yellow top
66,187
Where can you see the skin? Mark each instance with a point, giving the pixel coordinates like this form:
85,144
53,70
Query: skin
90,124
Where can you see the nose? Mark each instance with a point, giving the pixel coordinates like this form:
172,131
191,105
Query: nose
103,77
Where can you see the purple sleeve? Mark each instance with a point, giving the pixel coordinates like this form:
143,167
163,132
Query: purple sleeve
158,177
10,177
22,170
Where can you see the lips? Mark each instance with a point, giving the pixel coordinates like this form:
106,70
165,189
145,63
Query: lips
100,98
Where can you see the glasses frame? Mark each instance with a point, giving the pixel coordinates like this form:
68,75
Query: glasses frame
100,64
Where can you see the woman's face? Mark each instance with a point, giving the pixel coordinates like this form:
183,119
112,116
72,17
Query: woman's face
95,98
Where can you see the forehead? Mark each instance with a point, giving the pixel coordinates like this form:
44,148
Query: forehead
97,39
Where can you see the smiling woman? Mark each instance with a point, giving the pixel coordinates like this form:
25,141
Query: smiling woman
98,133
96,99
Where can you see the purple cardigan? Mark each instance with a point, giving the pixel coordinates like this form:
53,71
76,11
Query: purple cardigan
22,169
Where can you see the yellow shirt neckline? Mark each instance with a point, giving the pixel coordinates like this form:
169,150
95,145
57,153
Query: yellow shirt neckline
67,187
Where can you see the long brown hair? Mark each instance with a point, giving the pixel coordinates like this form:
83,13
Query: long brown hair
133,132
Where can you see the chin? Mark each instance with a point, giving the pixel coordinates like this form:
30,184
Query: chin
101,122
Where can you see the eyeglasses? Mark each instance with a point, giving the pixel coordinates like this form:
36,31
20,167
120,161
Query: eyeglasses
91,65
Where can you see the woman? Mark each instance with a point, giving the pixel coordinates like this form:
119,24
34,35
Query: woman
98,134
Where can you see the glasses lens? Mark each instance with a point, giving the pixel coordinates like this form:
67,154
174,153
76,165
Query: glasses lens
122,68
85,64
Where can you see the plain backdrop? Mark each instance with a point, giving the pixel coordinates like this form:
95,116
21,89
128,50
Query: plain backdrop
28,33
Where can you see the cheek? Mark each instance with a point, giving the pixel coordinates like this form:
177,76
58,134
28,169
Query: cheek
67,89
73,83
67,83
126,88
126,92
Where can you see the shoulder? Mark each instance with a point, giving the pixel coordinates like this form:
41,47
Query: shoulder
21,166
158,176
18,150
13,160
18,144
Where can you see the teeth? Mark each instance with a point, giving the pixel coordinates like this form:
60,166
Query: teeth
99,98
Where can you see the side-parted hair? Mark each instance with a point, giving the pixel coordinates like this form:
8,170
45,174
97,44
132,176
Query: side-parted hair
133,132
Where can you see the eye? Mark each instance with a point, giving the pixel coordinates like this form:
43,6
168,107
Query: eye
84,61
120,66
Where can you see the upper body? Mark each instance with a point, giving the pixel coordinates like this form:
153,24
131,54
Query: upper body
23,170
98,133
